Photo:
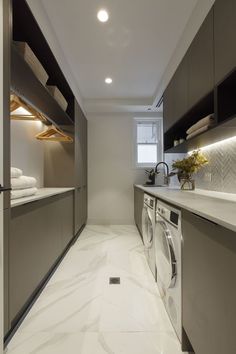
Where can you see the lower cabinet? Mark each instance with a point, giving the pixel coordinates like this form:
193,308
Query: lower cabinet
80,207
138,207
39,233
209,286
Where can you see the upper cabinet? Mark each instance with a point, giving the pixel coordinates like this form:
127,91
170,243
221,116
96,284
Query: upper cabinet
201,62
224,36
175,96
194,77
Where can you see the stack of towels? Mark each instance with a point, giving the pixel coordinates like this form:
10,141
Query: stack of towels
22,186
201,126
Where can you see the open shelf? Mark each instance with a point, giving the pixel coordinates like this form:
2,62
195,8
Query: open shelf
26,29
203,108
25,84
223,130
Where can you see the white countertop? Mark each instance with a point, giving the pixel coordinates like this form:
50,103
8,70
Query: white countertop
215,206
41,194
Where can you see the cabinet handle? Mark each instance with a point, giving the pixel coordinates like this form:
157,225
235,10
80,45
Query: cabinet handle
3,189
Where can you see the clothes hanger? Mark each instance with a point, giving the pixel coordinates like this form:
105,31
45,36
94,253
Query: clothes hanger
54,134
20,110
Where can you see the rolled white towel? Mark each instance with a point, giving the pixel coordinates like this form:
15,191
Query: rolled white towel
21,193
16,172
198,131
23,182
209,120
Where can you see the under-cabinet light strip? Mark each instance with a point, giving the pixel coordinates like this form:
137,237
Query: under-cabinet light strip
210,146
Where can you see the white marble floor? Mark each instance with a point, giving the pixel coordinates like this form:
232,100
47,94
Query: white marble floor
80,313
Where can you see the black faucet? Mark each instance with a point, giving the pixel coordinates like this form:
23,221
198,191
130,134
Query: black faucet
166,177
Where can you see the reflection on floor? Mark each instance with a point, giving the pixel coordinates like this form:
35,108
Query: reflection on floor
79,312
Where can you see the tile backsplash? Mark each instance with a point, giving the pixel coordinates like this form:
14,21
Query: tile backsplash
220,173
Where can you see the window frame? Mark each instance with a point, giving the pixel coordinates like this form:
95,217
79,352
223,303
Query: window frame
159,123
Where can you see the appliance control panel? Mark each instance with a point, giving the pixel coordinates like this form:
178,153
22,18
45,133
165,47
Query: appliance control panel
169,213
149,201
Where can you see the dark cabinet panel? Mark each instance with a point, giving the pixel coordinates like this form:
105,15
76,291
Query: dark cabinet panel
168,111
138,207
209,288
39,232
224,36
85,204
79,212
175,96
201,62
6,218
80,147
66,212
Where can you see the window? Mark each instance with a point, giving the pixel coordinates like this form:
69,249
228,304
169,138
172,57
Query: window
148,142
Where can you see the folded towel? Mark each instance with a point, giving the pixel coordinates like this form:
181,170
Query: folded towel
23,182
16,172
21,193
199,131
209,120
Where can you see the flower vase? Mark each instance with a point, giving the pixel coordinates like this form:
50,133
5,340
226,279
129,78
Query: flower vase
187,184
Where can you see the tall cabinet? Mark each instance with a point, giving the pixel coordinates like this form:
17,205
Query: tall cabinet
43,230
80,168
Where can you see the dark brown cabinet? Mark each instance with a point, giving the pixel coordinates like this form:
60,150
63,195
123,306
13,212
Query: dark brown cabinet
209,288
80,168
201,62
175,96
138,207
224,36
40,232
80,147
168,109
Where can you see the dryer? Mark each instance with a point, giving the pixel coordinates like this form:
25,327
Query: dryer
148,227
168,244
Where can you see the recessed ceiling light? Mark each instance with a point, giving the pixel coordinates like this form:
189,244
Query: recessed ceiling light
108,80
102,15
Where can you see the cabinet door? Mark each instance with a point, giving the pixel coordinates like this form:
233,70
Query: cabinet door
224,36
168,110
80,147
175,96
85,204
201,62
209,287
79,214
34,246
66,211
138,207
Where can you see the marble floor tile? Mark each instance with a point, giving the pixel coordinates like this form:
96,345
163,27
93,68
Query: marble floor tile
140,343
56,343
94,343
80,312
65,309
133,306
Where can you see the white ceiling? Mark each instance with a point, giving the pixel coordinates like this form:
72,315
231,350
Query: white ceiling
134,47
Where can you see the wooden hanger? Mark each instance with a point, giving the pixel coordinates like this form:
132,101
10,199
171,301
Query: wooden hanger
54,134
29,113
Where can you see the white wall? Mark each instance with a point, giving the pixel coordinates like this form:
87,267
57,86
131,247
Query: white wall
111,172
27,153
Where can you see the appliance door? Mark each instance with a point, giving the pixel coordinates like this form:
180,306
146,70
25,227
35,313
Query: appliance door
147,226
165,256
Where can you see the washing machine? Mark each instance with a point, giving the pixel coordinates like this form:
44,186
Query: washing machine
148,226
168,245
